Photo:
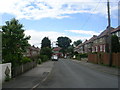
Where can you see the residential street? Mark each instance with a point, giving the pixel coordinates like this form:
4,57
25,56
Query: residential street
70,74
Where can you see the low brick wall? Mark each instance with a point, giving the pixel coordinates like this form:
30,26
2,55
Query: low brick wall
103,58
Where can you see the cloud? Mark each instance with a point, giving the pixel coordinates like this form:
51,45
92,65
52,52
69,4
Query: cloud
83,32
37,36
38,9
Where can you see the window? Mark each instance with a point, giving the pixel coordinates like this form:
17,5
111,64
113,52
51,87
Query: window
100,47
96,49
104,48
118,33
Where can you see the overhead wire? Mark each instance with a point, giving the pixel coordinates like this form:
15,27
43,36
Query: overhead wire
90,15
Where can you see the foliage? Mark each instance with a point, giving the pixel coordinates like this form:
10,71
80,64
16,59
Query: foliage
46,43
76,43
25,60
64,43
70,50
39,61
115,44
14,41
44,58
85,55
7,78
46,51
79,56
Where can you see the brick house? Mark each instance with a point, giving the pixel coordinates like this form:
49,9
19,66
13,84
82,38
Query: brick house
32,51
116,31
81,48
86,46
90,44
56,51
101,43
98,43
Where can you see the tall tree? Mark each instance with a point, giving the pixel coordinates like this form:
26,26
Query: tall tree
64,43
46,42
46,51
76,43
115,44
14,41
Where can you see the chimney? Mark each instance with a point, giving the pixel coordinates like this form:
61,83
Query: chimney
94,35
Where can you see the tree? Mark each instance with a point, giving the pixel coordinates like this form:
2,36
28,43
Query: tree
70,50
115,44
64,43
76,43
46,51
46,42
14,42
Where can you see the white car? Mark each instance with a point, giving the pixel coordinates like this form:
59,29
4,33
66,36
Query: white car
54,58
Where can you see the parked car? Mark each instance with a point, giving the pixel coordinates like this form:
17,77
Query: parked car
54,58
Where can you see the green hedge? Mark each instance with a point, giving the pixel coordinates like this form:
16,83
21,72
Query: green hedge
79,56
44,58
25,60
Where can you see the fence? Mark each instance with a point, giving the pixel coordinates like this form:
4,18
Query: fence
103,58
23,68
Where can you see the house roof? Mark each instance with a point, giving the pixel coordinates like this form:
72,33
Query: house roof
34,48
82,44
116,29
105,32
56,49
91,39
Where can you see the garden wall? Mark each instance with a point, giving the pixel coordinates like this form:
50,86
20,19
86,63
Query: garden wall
23,68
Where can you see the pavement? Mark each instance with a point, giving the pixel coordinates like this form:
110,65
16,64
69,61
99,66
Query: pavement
105,69
32,78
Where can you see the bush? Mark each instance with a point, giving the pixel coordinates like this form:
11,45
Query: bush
85,55
79,56
7,78
25,60
44,58
46,51
39,61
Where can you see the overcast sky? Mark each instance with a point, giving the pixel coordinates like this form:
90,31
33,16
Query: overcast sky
76,19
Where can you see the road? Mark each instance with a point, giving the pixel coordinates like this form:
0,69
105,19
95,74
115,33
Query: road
71,74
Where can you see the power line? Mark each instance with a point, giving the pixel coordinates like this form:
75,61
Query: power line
90,15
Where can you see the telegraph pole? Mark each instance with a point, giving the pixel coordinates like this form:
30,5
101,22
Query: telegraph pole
109,29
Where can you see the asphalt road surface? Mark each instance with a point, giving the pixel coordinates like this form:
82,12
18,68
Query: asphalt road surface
70,74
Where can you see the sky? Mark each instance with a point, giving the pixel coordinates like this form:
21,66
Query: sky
76,19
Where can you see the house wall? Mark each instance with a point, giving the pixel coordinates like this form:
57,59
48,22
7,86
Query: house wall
100,45
117,34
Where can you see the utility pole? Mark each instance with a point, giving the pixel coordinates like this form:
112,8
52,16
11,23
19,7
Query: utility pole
109,30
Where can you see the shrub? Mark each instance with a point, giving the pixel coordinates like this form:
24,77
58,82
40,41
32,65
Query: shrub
39,61
46,51
79,56
44,58
7,78
25,60
85,55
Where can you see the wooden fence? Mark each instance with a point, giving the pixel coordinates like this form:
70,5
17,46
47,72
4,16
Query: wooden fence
23,68
103,58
